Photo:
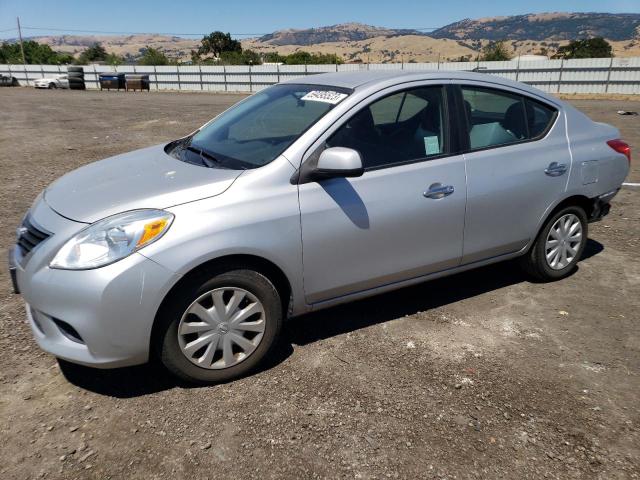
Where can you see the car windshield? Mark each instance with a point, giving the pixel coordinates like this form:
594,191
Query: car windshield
257,130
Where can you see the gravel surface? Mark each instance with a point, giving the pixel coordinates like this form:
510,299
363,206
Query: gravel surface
479,375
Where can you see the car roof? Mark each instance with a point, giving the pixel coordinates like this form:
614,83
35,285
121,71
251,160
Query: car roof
384,78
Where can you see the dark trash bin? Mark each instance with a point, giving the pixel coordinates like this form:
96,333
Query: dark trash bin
8,81
111,80
137,82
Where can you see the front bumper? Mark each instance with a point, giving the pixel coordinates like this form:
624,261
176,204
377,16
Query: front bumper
101,317
12,269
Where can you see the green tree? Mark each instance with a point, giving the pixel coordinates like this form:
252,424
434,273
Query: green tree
217,42
596,47
113,59
304,58
34,53
274,57
247,57
495,52
153,56
95,53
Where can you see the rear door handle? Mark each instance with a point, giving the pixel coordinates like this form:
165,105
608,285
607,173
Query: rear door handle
555,169
437,190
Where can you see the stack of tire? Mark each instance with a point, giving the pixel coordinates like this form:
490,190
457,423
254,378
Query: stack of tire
76,78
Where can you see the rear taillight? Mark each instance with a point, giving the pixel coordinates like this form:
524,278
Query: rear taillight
621,147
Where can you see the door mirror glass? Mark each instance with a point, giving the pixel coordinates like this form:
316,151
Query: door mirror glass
338,162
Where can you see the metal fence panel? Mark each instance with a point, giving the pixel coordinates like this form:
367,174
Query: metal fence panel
594,75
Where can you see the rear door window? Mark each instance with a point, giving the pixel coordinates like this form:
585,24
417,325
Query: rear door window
495,118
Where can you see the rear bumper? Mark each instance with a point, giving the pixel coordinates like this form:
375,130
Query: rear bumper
601,206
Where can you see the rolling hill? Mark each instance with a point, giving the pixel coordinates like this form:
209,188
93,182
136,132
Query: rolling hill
356,42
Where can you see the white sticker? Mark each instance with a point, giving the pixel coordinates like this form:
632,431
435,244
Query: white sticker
326,96
431,145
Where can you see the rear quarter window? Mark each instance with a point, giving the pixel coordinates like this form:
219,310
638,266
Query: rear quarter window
540,117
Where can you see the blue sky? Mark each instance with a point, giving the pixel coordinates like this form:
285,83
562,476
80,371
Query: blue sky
252,16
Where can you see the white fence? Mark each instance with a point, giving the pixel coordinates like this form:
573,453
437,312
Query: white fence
595,75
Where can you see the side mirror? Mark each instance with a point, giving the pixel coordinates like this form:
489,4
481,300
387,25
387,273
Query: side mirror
334,162
338,162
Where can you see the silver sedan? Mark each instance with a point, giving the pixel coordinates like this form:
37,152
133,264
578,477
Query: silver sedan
310,193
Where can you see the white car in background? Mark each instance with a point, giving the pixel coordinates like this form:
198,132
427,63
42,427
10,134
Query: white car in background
57,81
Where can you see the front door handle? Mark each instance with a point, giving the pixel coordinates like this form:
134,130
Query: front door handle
555,169
437,190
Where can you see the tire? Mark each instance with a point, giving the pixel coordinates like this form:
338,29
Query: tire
52,86
536,263
72,68
76,84
77,75
207,364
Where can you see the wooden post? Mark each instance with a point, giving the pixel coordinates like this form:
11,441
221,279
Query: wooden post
24,61
201,82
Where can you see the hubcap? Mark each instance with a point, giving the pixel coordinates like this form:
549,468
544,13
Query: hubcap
221,328
563,241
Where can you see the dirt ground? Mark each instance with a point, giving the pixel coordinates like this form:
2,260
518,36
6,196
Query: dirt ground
480,375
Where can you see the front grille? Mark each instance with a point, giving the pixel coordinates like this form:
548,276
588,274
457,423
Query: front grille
29,236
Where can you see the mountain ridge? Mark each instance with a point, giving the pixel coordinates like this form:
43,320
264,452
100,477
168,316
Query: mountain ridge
357,42
545,26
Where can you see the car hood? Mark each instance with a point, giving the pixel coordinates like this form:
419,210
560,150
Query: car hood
46,80
147,178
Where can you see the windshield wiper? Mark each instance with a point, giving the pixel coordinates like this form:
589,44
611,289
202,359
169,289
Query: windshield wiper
207,159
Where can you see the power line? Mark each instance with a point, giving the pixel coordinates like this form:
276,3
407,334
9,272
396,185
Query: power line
122,32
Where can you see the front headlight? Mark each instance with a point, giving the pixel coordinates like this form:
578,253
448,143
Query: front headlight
112,239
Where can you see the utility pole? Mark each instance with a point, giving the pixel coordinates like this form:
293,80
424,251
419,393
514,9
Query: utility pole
24,61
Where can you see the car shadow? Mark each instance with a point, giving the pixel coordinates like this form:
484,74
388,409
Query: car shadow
408,301
152,378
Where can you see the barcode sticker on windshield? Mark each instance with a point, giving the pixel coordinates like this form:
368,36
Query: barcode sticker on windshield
326,96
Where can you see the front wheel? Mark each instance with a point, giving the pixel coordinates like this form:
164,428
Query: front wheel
559,245
52,86
222,328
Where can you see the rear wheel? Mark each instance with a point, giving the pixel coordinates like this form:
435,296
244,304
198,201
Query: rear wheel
559,245
220,329
52,86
